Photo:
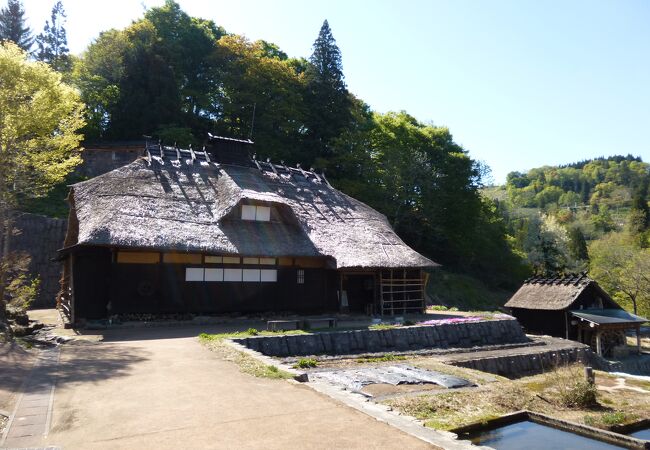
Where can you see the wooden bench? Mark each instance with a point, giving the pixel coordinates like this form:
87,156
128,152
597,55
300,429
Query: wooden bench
281,325
331,322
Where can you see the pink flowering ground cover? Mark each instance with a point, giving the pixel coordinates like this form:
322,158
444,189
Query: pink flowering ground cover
464,319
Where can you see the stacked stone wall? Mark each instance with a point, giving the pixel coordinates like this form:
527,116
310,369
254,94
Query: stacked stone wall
40,237
457,335
98,161
515,366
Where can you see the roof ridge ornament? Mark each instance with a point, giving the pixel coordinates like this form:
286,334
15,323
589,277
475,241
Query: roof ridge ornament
254,158
325,178
178,152
192,154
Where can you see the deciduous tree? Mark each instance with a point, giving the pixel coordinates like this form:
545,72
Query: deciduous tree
623,269
39,121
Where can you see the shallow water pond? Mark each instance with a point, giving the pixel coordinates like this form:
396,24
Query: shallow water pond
642,434
533,436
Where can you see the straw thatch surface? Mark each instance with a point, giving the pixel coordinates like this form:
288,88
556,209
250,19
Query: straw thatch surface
177,205
553,293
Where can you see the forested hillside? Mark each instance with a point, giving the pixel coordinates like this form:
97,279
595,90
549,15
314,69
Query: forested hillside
592,215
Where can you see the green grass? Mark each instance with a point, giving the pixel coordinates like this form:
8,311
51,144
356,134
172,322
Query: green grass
266,371
388,357
247,364
248,333
463,292
382,326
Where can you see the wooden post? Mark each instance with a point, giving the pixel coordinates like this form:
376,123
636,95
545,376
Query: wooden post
72,302
638,339
566,325
599,349
589,375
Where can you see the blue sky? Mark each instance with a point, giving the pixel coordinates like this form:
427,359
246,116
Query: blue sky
520,83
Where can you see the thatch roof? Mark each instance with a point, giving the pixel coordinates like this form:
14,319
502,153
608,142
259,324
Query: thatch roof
553,293
189,203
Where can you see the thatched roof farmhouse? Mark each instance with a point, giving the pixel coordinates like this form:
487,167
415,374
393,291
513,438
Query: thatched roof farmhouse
572,307
216,231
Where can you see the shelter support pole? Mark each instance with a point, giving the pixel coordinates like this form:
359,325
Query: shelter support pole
638,339
599,348
566,325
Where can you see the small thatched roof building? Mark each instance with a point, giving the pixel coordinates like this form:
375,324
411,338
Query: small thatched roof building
259,236
573,307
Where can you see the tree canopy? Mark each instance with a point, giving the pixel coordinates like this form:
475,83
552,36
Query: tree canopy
39,141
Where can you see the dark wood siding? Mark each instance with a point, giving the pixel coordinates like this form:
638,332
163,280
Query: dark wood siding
91,283
550,323
161,288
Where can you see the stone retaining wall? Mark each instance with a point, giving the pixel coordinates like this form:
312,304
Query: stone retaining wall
40,237
457,335
635,365
515,366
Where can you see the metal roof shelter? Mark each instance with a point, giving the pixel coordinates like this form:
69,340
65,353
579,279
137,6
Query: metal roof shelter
607,316
573,307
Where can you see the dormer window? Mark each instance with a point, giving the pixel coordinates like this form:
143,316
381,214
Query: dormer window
258,213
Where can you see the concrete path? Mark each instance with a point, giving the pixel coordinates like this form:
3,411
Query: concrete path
159,388
30,421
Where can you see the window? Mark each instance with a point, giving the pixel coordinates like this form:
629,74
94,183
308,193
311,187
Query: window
251,260
231,259
193,274
138,258
263,213
232,274
213,259
268,275
267,261
258,213
213,274
301,276
251,275
248,212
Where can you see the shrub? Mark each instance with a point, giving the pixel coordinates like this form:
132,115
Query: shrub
614,418
306,363
437,308
579,394
253,331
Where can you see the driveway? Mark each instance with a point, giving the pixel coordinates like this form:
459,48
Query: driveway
159,388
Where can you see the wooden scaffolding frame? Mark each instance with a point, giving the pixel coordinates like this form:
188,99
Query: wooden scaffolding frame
400,292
